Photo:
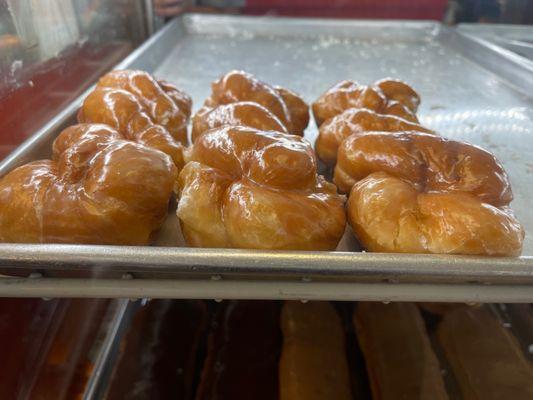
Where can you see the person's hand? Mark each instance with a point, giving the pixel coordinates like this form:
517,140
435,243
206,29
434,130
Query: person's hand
170,8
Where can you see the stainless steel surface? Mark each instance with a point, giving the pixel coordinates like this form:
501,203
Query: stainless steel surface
260,290
516,38
469,91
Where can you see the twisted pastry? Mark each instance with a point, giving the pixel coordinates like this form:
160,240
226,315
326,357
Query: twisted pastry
98,188
356,121
242,113
420,193
142,109
276,106
387,96
247,188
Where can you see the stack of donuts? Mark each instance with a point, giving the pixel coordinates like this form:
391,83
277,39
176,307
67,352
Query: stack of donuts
249,179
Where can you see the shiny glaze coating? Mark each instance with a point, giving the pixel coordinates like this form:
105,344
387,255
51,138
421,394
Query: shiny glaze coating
313,363
162,101
356,121
237,86
242,113
245,188
388,214
431,163
98,188
387,96
141,109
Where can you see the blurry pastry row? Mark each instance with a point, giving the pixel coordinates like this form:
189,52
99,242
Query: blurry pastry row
321,350
250,180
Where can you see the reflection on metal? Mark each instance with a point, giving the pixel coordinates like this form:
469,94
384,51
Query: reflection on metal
516,38
264,290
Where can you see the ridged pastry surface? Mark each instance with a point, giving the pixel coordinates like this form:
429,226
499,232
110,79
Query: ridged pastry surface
98,188
418,193
154,113
356,122
387,96
246,188
239,86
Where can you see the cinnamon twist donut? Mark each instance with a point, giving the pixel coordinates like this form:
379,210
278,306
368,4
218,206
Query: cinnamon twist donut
420,193
387,96
275,106
246,188
98,188
142,109
356,121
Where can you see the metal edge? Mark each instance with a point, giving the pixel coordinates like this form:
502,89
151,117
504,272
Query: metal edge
259,290
514,69
216,23
191,262
112,337
500,30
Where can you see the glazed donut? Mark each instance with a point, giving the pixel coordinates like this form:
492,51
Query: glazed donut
387,96
98,189
421,193
242,113
141,109
245,188
239,86
356,121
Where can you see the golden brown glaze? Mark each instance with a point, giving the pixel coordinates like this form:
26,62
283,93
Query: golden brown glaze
162,101
313,363
142,110
485,357
431,163
98,188
246,188
398,355
242,113
420,193
356,121
238,86
387,96
388,214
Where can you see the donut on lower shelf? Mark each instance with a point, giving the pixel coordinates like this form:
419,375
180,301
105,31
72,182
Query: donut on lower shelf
400,361
313,362
485,357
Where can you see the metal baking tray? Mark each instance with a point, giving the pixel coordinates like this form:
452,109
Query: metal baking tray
516,38
469,91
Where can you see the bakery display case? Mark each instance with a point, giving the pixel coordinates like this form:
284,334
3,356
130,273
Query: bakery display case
137,265
480,104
